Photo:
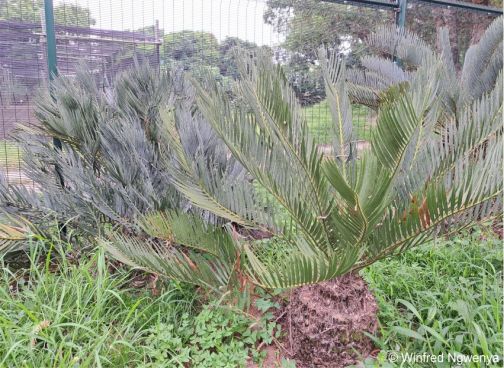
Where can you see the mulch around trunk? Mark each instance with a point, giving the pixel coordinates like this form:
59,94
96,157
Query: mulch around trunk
326,322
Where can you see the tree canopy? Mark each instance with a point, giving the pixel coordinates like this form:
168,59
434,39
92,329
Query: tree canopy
309,24
190,49
31,10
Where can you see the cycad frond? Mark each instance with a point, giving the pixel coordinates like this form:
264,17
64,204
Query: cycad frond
15,233
269,137
393,197
402,53
483,62
300,268
400,43
333,71
181,246
207,182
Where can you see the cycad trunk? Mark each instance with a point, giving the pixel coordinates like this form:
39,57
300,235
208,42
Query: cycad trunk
327,322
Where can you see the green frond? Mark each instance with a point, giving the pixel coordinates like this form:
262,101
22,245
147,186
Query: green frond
401,121
189,231
475,195
299,268
278,153
333,71
196,252
15,233
208,186
478,123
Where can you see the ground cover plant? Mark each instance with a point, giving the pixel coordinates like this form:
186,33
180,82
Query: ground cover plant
56,312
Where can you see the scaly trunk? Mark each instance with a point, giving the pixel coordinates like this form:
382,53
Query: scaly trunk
327,322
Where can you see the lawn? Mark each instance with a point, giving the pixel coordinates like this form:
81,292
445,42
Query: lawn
320,121
442,297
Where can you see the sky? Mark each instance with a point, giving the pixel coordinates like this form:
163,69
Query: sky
236,18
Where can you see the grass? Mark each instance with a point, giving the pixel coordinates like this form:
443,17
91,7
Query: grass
320,121
69,315
10,155
444,297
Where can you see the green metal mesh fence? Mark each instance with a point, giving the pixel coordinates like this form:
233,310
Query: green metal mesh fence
196,35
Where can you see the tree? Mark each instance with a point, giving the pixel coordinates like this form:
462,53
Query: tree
227,55
307,25
465,28
31,11
190,49
22,10
73,15
310,24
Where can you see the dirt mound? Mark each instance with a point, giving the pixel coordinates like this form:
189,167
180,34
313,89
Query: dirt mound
327,321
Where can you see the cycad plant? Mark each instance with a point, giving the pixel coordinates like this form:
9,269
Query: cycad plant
234,190
111,167
396,55
107,166
326,216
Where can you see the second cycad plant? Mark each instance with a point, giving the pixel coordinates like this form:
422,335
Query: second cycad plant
323,216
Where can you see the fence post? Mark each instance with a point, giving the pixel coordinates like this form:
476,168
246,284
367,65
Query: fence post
52,68
52,71
400,21
401,13
50,39
156,39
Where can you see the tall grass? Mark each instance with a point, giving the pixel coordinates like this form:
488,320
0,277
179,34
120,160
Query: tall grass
87,314
79,314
